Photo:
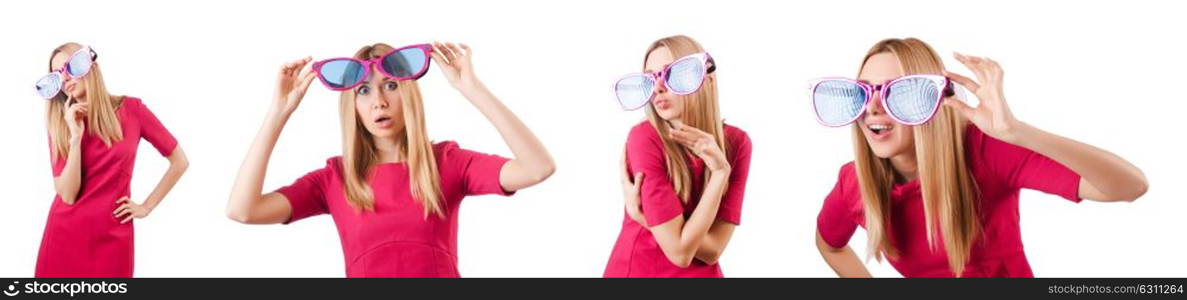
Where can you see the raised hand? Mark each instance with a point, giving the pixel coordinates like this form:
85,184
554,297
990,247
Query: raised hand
702,144
992,115
291,84
455,63
75,114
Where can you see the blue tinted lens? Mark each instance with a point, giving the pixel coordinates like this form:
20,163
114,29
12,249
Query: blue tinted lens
49,86
633,92
838,102
342,73
686,76
405,63
913,100
79,64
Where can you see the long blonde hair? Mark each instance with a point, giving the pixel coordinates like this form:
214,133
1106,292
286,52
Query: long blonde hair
700,112
102,120
949,192
359,154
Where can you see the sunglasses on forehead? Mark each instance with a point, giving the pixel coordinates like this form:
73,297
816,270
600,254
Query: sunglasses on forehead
404,63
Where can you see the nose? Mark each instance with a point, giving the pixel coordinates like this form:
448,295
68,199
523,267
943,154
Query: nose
380,101
875,105
661,85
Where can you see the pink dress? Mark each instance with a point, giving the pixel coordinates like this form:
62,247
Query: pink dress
637,254
1000,170
395,239
85,239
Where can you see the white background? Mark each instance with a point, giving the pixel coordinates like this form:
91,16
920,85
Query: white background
1106,74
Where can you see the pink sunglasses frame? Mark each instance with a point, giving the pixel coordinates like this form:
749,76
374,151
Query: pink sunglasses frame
370,64
942,82
704,57
62,74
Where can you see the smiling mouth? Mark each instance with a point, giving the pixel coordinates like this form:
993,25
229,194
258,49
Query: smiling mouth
879,129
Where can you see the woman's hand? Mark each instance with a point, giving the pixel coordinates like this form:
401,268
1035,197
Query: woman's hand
129,210
455,63
75,115
291,85
630,195
702,144
991,115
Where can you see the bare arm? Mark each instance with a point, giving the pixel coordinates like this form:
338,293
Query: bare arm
68,182
679,238
1104,176
532,163
843,260
247,204
715,240
178,163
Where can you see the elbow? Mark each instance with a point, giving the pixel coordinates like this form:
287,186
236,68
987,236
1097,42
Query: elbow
179,162
682,261
68,199
543,171
238,214
181,165
1137,192
709,257
679,257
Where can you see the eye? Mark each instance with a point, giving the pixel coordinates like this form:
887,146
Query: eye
390,85
362,90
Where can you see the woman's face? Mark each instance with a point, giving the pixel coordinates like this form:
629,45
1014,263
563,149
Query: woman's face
379,106
669,106
886,137
73,87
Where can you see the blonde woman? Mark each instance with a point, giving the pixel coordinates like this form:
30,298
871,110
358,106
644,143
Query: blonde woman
685,197
935,182
393,196
93,137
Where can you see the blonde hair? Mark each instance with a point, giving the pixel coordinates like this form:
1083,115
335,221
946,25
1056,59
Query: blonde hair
359,154
700,112
949,192
102,120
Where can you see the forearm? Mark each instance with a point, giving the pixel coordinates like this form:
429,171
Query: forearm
68,182
529,152
715,241
178,164
250,180
842,260
695,229
1114,177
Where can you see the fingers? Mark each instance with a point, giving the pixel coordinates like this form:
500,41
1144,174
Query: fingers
291,68
445,51
126,219
962,80
984,68
962,108
467,49
306,78
437,58
122,210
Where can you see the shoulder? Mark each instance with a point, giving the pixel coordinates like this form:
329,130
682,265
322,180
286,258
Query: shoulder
737,138
643,131
333,167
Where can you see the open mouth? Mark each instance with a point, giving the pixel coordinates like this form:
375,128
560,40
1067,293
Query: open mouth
880,129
